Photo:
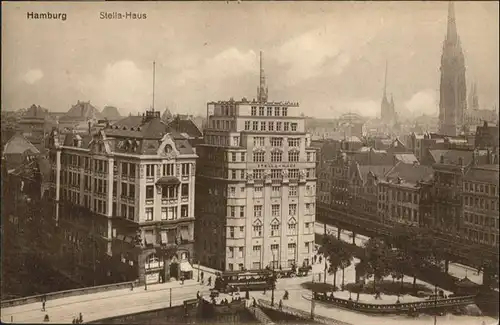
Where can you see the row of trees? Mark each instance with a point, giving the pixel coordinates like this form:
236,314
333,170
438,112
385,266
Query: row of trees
405,253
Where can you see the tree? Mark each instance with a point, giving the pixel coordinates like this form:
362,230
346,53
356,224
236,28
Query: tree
346,257
332,250
376,259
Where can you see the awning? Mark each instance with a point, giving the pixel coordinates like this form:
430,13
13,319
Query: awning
168,180
164,237
186,267
149,238
184,233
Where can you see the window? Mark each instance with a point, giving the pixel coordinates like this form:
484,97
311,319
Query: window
261,111
308,155
232,191
149,214
271,126
277,142
256,265
184,211
292,191
293,156
275,230
254,111
233,157
233,174
240,265
232,213
276,156
247,125
131,213
307,228
172,213
278,126
262,126
131,190
257,173
230,266
124,189
256,250
168,170
185,169
258,141
258,156
242,174
294,126
150,170
185,190
291,249
276,191
242,231
257,211
275,210
276,111
257,231
269,111
292,228
163,213
293,173
293,142
231,252
242,156
231,232
242,212
284,111
150,191
292,210
275,247
255,126
286,126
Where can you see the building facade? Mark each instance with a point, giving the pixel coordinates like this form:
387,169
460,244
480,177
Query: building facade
453,93
480,201
256,186
125,199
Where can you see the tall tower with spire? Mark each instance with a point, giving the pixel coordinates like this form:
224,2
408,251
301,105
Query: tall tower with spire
262,89
387,110
473,103
453,88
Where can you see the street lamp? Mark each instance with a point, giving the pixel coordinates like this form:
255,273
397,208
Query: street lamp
145,278
435,304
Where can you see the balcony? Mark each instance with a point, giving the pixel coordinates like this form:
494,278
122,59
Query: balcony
169,201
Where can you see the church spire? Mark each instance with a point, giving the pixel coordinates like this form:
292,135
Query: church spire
451,35
385,81
262,90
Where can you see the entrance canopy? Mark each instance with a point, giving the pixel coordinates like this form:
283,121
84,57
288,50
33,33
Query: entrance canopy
186,267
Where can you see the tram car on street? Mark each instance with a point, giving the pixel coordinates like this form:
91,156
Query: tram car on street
233,281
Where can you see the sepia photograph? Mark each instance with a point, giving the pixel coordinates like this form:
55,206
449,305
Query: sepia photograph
250,162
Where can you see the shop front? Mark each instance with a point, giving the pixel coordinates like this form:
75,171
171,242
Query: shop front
185,268
153,269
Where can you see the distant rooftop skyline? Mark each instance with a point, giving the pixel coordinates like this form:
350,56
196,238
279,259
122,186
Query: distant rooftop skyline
330,57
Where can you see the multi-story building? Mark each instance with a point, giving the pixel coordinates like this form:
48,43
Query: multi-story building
256,185
399,194
480,202
125,199
487,136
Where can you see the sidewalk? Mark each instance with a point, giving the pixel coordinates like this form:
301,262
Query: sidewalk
104,304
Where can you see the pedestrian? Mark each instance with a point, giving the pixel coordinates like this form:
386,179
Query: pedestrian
280,304
80,318
209,281
202,274
43,305
131,286
46,318
264,291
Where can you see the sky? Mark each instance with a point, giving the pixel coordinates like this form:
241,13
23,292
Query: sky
328,56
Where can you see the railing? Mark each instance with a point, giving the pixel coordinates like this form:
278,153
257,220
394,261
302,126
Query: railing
395,308
259,314
67,293
301,314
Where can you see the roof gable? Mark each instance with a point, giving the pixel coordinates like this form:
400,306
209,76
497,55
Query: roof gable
18,144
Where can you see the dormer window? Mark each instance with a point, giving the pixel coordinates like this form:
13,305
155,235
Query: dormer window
168,149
